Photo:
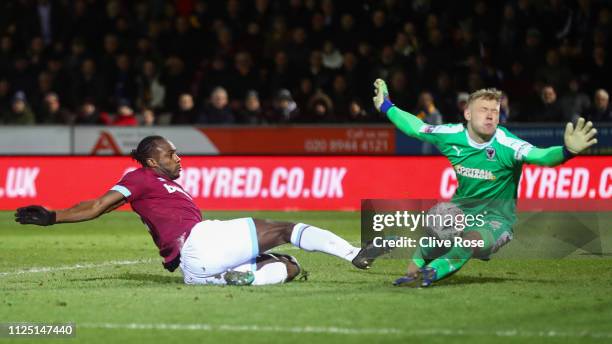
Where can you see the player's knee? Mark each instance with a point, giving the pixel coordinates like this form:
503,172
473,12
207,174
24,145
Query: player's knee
285,229
474,236
280,231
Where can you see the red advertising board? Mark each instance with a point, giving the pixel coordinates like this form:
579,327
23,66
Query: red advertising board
287,183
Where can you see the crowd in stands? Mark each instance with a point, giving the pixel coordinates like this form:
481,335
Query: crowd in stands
148,62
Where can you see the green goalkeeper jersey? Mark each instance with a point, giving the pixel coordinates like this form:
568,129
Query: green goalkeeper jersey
488,173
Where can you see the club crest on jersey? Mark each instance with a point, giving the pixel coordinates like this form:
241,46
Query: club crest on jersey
490,153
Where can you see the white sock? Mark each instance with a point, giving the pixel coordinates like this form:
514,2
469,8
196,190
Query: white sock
311,238
272,273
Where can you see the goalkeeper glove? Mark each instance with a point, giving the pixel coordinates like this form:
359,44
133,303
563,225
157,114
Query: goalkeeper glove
578,139
381,99
35,215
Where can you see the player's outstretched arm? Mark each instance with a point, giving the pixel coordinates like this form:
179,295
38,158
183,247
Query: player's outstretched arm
405,121
576,140
86,210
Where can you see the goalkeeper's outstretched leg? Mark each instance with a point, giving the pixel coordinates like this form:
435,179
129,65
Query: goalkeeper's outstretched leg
422,272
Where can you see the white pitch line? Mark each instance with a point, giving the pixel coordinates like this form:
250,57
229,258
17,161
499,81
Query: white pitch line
75,267
245,328
346,330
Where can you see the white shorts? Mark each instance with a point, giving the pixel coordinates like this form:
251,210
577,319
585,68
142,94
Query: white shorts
214,247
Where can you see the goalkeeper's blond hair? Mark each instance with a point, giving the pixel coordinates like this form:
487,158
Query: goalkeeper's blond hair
486,94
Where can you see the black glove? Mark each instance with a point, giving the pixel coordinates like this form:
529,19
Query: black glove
36,215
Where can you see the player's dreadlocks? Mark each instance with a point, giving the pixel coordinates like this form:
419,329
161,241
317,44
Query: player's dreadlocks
145,149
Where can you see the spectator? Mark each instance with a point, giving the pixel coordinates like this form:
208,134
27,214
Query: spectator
53,112
285,108
598,69
317,72
5,95
89,114
23,77
341,97
320,108
404,45
304,92
553,72
517,83
426,109
218,110
280,75
186,113
20,112
89,84
215,73
77,55
347,35
252,113
461,105
549,109
89,49
7,54
403,95
421,73
45,86
123,85
357,113
297,49
147,117
125,115
111,49
445,97
175,80
504,109
574,102
332,58
531,53
601,110
151,91
244,78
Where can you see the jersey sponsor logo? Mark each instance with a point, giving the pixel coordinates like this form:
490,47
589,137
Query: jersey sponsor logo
475,173
490,153
458,150
173,189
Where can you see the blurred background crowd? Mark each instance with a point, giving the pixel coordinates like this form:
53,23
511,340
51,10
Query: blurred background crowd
148,62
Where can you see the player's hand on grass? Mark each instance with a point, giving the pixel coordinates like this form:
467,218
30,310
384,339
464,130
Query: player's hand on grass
578,139
381,96
35,215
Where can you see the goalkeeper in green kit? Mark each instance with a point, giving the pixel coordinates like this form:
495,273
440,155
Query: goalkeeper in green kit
488,162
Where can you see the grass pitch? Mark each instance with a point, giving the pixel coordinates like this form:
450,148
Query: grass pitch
106,277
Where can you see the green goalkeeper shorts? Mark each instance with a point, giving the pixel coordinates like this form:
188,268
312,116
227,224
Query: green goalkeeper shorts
495,233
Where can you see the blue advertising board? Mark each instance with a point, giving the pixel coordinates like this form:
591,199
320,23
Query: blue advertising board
540,135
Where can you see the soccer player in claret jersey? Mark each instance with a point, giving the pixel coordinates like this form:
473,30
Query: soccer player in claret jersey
210,251
488,160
